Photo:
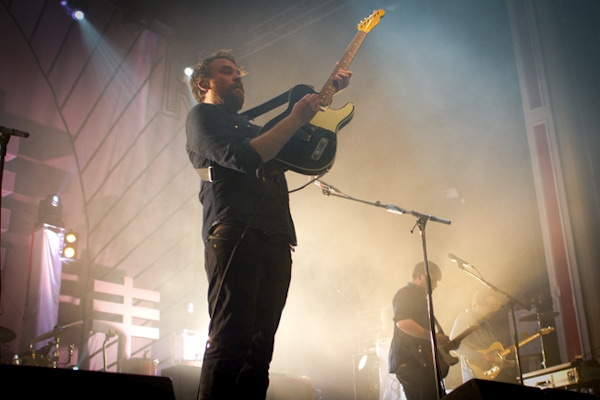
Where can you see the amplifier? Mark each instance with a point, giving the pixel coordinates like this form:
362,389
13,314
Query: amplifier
553,377
560,376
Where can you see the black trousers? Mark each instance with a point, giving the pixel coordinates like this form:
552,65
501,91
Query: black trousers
418,382
248,287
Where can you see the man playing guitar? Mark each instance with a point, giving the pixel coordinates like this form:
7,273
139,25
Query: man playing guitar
410,351
473,357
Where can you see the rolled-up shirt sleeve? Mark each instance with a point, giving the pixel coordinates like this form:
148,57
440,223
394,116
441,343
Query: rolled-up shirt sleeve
213,139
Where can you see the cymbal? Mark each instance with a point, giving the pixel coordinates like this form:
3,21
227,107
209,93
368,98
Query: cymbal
54,332
6,335
543,315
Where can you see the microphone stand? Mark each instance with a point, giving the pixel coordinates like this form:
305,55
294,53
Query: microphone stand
511,304
3,146
422,219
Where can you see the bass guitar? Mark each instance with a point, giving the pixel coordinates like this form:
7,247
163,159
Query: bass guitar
311,151
446,360
497,351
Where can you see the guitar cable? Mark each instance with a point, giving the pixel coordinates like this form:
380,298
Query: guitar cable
311,180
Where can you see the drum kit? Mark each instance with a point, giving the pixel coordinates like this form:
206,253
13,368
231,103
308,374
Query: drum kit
42,357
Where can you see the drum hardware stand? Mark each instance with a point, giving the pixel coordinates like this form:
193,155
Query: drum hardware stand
71,349
54,333
511,305
56,353
539,323
538,316
422,219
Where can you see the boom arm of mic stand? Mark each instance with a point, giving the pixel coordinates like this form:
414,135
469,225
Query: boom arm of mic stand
328,191
494,288
430,217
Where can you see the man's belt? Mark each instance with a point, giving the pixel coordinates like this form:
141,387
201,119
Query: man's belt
215,173
208,174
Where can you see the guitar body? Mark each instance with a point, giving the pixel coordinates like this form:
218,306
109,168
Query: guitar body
445,359
489,372
311,151
422,352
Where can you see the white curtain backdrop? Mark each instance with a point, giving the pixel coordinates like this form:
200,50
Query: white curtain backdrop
45,269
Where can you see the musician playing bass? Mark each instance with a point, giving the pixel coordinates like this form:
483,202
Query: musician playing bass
410,351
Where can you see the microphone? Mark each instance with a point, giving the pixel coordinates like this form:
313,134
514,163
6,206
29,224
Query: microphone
461,263
14,132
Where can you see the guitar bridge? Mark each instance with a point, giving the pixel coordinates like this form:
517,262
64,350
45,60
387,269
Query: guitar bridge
318,152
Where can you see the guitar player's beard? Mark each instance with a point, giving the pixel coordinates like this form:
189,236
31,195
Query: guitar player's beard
232,97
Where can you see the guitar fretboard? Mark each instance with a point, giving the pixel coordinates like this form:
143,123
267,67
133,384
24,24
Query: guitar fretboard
328,90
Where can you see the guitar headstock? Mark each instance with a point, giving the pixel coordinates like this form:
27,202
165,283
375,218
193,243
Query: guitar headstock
547,330
371,21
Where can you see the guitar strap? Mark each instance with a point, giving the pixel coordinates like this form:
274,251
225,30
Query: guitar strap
267,106
210,174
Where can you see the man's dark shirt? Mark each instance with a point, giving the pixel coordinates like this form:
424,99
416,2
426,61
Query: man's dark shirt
410,302
246,191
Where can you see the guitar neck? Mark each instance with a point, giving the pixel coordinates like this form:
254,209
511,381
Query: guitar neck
456,341
328,90
521,344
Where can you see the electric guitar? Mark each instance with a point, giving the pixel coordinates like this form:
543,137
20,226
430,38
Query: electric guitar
311,151
499,353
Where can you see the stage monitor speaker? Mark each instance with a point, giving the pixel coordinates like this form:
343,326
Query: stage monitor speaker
30,382
479,389
185,378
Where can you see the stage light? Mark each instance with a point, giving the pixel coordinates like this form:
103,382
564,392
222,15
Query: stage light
74,8
366,376
362,362
70,245
50,210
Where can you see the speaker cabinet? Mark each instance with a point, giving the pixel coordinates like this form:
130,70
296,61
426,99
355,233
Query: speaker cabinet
67,384
186,380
